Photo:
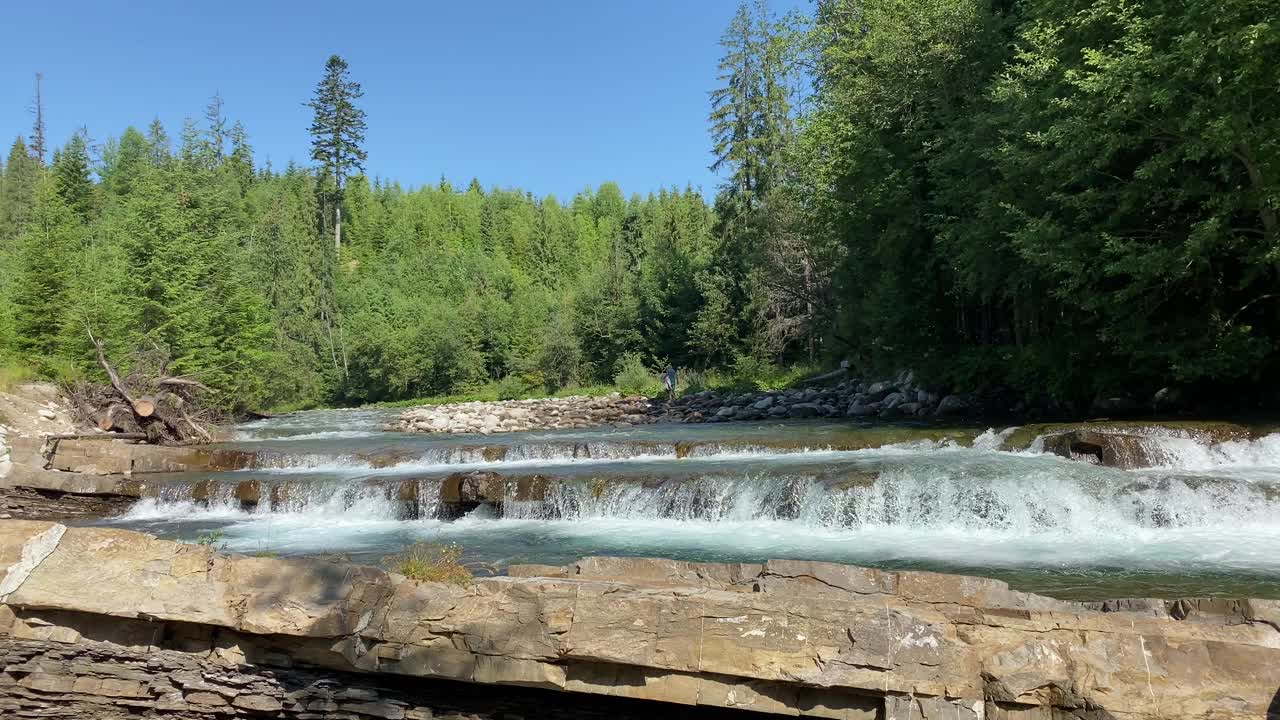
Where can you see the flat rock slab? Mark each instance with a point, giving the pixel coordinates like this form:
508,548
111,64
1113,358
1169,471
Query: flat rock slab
786,637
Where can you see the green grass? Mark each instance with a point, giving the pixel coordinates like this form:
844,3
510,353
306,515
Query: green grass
431,562
13,374
210,538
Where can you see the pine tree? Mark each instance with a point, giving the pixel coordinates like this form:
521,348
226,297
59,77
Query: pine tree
241,159
45,258
337,133
216,131
71,176
123,161
17,201
158,138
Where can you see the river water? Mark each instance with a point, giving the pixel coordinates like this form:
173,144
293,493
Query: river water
1206,522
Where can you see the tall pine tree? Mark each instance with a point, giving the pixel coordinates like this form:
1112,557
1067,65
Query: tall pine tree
337,133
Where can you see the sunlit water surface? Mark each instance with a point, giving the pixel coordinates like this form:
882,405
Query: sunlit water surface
1204,523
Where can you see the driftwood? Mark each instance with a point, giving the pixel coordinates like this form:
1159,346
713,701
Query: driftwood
147,404
96,436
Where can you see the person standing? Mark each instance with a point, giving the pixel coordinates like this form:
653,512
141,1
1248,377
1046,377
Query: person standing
669,383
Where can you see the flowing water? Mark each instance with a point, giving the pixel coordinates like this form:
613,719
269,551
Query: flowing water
1206,522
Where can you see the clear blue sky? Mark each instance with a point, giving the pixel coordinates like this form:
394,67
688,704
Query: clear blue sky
547,96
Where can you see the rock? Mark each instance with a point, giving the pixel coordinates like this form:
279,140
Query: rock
48,414
1111,449
908,408
804,410
764,403
1167,399
726,411
857,409
952,405
893,400
879,390
79,609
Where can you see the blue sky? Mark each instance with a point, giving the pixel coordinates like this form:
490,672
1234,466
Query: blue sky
547,96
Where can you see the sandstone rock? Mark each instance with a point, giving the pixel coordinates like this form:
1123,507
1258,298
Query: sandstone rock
787,637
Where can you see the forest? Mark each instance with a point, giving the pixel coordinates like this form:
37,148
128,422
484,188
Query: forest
1039,201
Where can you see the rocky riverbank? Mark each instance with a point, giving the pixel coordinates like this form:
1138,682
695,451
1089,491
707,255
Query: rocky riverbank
249,636
894,399
504,416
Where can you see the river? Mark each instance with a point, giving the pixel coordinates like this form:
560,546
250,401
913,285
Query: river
1203,523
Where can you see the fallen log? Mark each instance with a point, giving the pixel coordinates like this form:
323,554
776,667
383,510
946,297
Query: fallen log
144,407
96,436
149,403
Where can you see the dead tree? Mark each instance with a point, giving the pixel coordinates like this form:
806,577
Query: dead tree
148,403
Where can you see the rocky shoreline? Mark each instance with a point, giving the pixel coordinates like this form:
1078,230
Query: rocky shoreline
900,398
230,634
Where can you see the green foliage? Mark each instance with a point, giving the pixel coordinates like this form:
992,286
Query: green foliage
431,562
633,377
13,374
208,539
1059,198
1062,197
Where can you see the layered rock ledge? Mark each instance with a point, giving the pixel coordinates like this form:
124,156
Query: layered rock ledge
81,607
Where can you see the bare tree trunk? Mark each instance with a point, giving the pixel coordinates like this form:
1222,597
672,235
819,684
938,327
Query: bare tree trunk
337,228
808,304
37,131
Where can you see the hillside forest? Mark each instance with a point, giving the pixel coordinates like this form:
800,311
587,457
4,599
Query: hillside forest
1037,201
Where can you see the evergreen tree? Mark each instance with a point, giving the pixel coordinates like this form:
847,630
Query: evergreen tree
71,176
158,139
17,197
337,133
45,253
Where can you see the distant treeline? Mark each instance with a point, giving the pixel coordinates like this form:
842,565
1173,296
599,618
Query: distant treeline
1045,200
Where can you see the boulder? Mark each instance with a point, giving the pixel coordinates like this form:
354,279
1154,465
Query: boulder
763,403
952,405
857,409
879,390
804,410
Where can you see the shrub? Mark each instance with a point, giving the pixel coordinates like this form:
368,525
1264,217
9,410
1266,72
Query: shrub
431,562
514,387
633,378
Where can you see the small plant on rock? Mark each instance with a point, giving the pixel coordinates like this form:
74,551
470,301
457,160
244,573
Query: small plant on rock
213,537
431,562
